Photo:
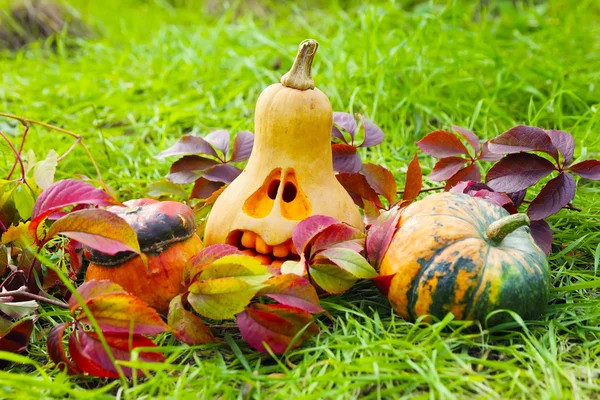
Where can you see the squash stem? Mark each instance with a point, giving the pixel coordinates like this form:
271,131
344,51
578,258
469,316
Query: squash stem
498,230
299,77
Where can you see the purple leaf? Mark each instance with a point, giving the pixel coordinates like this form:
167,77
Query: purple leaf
557,193
486,154
564,142
523,138
345,158
242,146
345,121
225,173
219,139
188,168
440,144
380,234
470,136
468,186
203,188
519,171
373,134
589,169
188,144
542,234
517,197
446,167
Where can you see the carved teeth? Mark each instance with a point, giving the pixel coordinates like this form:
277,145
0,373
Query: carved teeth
249,239
262,247
281,250
264,260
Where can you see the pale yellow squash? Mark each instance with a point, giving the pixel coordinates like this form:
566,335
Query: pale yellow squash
289,175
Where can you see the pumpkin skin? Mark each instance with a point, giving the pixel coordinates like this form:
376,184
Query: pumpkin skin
444,260
289,175
167,237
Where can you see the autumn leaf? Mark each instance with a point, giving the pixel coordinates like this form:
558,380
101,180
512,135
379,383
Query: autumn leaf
99,229
276,325
187,327
414,180
331,277
292,290
221,298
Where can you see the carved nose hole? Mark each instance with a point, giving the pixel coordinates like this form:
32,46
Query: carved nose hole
289,192
273,188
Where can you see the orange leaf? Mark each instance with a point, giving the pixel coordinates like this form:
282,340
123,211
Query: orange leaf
414,180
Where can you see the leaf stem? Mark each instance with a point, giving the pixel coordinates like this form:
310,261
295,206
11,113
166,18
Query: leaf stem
26,121
430,189
20,151
18,157
567,207
22,291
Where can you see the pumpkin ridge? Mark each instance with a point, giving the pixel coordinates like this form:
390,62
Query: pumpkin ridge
425,265
470,304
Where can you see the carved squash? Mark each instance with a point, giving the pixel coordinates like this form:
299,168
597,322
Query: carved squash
289,175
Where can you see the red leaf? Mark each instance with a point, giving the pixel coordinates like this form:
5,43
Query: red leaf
276,325
446,167
414,180
383,283
56,350
486,154
75,250
123,313
589,169
345,158
15,338
519,171
88,354
345,121
66,193
307,229
358,186
219,139
523,138
99,229
188,144
564,142
440,144
470,136
380,234
292,290
242,146
542,234
188,168
338,235
468,173
187,326
557,193
381,180
500,199
203,188
373,134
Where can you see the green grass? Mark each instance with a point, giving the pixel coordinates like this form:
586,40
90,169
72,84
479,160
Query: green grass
154,72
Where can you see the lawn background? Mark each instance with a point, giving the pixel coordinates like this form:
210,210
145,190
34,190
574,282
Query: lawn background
155,70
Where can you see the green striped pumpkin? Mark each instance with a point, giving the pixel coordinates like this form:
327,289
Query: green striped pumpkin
455,253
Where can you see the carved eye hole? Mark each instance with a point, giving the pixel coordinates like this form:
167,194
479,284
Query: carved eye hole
289,192
273,188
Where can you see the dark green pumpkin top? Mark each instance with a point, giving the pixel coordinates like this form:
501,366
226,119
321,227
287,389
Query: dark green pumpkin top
158,226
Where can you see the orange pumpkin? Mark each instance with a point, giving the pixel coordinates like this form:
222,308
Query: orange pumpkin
167,236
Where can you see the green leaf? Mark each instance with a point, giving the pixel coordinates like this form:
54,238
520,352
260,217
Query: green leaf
349,260
23,201
242,267
221,298
331,278
165,187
